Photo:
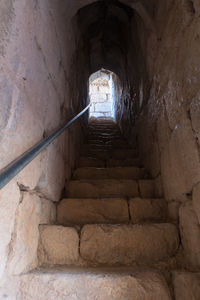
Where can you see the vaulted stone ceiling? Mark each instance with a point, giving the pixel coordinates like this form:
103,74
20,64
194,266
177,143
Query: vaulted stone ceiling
105,33
106,30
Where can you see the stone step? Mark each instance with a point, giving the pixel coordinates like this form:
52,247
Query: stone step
85,161
143,210
104,135
58,245
98,154
93,284
104,139
109,173
114,145
126,162
110,211
121,154
104,126
102,188
107,244
107,153
147,188
127,244
92,211
103,131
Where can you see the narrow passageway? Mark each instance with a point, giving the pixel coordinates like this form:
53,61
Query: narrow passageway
110,209
120,221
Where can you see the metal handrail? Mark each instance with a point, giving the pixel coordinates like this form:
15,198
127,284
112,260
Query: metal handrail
9,172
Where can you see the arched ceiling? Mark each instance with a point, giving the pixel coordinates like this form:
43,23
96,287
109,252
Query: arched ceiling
105,33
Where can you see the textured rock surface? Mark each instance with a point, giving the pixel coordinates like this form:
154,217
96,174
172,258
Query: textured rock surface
58,245
102,188
47,211
190,234
93,284
133,162
147,188
86,211
23,247
35,52
147,210
9,200
113,244
186,285
91,162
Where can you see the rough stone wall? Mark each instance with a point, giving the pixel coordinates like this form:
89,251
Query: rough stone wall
36,47
166,122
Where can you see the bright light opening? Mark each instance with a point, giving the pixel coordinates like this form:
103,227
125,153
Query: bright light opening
102,96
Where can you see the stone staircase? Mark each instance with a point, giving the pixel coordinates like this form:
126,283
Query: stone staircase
112,240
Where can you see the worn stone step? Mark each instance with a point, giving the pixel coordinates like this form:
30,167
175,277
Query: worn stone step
100,154
103,139
114,145
142,210
104,135
104,126
85,161
102,188
147,188
109,173
93,284
58,245
107,153
126,162
104,131
127,244
124,153
91,211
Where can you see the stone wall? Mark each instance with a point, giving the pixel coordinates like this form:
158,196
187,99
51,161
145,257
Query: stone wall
36,49
165,120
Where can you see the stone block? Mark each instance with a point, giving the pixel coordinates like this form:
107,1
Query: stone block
47,211
147,188
30,176
102,188
186,285
92,211
93,284
129,162
108,173
158,185
180,162
190,234
124,153
52,179
173,210
9,200
126,244
58,245
90,162
23,247
142,210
